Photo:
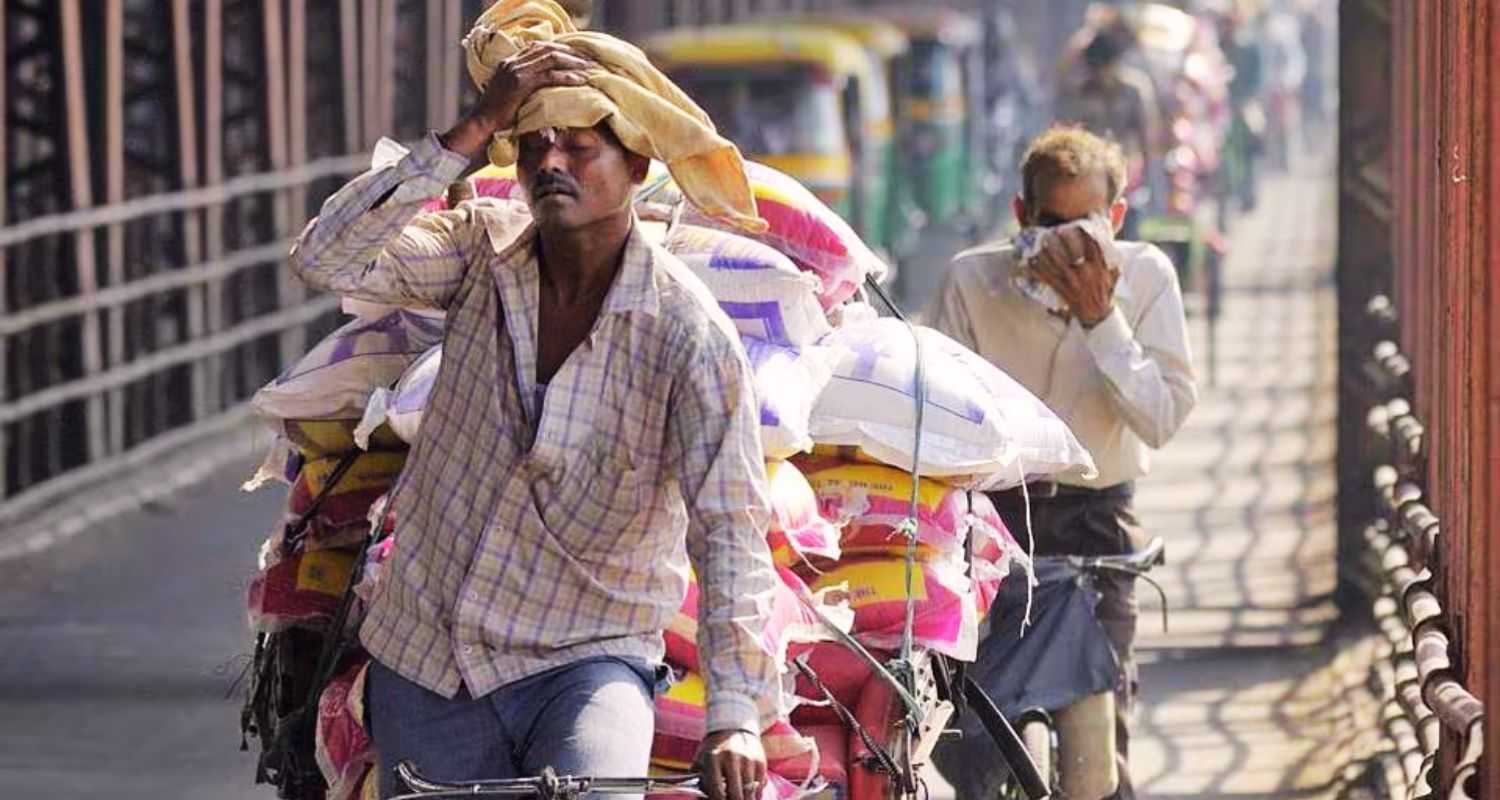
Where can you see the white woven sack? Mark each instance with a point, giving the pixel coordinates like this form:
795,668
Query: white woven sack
402,407
335,379
761,290
981,429
788,382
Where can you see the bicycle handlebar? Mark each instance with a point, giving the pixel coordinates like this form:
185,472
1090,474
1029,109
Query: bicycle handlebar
1154,554
1136,564
547,786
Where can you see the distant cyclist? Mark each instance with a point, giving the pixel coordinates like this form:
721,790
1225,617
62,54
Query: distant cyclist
1116,101
1115,365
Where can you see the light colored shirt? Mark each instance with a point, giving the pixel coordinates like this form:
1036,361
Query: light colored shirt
540,529
1124,387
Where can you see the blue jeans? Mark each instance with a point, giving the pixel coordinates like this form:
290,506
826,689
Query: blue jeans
593,717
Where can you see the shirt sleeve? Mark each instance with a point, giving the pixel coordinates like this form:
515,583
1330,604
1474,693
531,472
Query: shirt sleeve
714,437
369,243
1148,369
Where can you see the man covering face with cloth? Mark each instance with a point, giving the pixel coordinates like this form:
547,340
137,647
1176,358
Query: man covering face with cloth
591,432
1094,327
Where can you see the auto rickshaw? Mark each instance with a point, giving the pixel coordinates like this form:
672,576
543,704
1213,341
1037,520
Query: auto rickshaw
883,206
940,126
806,100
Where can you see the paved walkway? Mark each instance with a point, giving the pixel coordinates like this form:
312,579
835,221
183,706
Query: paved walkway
1248,695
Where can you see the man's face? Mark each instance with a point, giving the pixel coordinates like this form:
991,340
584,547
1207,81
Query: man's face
1070,199
578,177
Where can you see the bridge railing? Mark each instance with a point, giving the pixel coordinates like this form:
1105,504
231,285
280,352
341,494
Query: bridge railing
1434,724
156,159
90,406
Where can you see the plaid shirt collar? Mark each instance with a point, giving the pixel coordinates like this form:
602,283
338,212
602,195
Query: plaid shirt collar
636,287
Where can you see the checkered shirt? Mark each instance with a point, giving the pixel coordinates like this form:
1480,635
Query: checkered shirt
532,533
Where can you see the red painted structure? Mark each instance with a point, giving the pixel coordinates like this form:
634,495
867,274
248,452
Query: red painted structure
1419,219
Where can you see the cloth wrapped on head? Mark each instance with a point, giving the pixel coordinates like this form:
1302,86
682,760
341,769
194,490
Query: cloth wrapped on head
647,112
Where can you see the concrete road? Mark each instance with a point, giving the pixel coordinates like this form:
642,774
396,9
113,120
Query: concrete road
118,648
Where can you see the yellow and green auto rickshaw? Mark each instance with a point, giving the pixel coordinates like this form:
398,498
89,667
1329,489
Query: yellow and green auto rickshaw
794,97
939,109
883,204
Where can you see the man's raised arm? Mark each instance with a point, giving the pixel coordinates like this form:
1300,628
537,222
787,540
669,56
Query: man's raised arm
369,243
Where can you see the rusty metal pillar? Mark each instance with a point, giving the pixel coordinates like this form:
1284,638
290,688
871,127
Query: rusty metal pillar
1443,187
1485,671
85,255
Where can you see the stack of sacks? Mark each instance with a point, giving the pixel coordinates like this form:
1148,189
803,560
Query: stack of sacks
774,307
315,409
800,226
981,430
797,618
341,738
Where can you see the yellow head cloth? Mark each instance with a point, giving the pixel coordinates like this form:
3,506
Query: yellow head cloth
650,114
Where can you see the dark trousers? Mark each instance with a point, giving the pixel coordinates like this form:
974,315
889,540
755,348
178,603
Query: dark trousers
1092,524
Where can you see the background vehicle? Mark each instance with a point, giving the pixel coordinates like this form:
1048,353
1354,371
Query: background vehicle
1181,55
940,92
791,96
883,208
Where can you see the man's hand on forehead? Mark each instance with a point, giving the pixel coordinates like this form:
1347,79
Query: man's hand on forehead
536,66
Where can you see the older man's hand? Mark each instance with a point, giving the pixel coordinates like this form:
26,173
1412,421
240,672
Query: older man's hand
1073,264
732,765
